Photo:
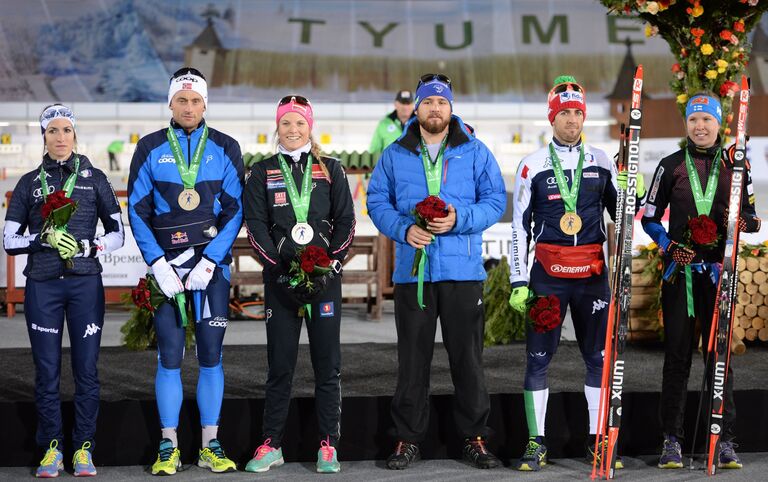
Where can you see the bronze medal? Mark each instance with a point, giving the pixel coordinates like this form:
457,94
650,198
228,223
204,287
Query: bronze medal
189,199
570,223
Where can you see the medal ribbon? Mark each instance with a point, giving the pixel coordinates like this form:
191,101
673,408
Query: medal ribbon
69,184
570,196
703,206
188,174
299,202
434,173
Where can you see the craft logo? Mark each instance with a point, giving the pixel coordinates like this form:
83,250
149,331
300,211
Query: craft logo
280,198
326,309
179,237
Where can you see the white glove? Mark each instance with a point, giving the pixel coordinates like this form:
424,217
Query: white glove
167,278
200,275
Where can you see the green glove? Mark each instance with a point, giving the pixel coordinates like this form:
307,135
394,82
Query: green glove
64,243
621,180
518,298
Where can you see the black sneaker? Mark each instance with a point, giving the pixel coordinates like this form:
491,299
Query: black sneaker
535,456
590,456
404,454
478,455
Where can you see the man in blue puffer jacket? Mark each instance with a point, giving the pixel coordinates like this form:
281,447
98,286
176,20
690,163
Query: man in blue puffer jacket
438,155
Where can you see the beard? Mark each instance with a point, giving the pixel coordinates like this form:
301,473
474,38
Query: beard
434,125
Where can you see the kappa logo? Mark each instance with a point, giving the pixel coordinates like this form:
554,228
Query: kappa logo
91,329
598,305
166,158
43,329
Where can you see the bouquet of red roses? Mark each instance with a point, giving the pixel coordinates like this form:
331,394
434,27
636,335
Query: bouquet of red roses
701,232
310,262
544,313
431,208
147,294
57,210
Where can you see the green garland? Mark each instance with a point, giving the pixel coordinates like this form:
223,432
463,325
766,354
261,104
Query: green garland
502,324
139,331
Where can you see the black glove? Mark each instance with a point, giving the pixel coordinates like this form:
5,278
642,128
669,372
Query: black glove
746,225
680,254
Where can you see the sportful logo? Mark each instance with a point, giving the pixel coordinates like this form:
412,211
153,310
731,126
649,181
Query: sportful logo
91,329
43,329
598,305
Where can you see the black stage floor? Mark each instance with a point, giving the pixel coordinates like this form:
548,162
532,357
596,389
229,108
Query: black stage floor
128,429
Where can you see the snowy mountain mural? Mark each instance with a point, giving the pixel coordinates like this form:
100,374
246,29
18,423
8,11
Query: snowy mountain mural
334,50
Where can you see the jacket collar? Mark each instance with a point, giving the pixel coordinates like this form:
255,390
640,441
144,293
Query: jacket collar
411,138
180,132
708,153
69,164
565,147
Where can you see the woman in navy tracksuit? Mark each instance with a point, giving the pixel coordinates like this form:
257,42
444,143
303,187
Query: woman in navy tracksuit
55,289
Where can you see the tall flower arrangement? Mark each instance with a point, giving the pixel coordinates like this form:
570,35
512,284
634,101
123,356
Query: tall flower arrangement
708,39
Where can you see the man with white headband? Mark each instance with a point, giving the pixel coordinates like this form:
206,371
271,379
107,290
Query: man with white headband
185,210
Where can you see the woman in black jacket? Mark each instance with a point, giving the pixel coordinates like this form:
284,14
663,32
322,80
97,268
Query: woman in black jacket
286,210
63,278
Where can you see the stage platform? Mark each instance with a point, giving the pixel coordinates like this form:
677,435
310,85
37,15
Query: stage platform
128,429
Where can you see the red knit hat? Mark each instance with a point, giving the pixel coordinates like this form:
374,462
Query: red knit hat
566,94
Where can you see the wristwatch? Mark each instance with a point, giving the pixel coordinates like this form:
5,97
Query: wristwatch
336,266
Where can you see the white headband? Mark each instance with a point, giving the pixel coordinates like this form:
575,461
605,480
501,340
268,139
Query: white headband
188,81
56,111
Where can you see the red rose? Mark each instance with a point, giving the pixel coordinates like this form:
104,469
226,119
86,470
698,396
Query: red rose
313,256
55,201
703,230
728,88
432,207
554,302
533,313
542,303
141,295
726,35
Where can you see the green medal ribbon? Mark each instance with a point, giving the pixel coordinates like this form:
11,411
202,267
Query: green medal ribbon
69,184
703,202
181,304
434,173
569,196
299,201
188,174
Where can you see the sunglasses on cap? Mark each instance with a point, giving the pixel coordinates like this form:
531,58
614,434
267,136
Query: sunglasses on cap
295,98
54,111
560,88
429,77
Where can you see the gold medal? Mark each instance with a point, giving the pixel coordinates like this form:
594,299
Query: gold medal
570,223
189,199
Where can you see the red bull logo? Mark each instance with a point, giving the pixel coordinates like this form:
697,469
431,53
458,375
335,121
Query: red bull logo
700,100
179,237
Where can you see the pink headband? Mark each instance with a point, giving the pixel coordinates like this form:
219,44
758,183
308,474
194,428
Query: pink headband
304,110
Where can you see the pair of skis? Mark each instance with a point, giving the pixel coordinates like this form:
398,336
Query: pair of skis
721,329
611,388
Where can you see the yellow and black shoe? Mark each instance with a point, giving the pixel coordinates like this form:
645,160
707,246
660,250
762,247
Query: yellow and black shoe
535,456
168,459
603,445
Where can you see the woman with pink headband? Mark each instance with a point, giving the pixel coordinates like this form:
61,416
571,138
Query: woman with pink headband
293,200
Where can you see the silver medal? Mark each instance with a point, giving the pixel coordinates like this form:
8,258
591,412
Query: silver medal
302,233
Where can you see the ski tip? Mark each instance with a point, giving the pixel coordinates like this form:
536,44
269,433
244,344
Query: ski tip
744,82
639,71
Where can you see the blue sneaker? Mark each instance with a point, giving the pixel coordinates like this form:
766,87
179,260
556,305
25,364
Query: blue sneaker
52,463
535,456
83,462
727,459
671,454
